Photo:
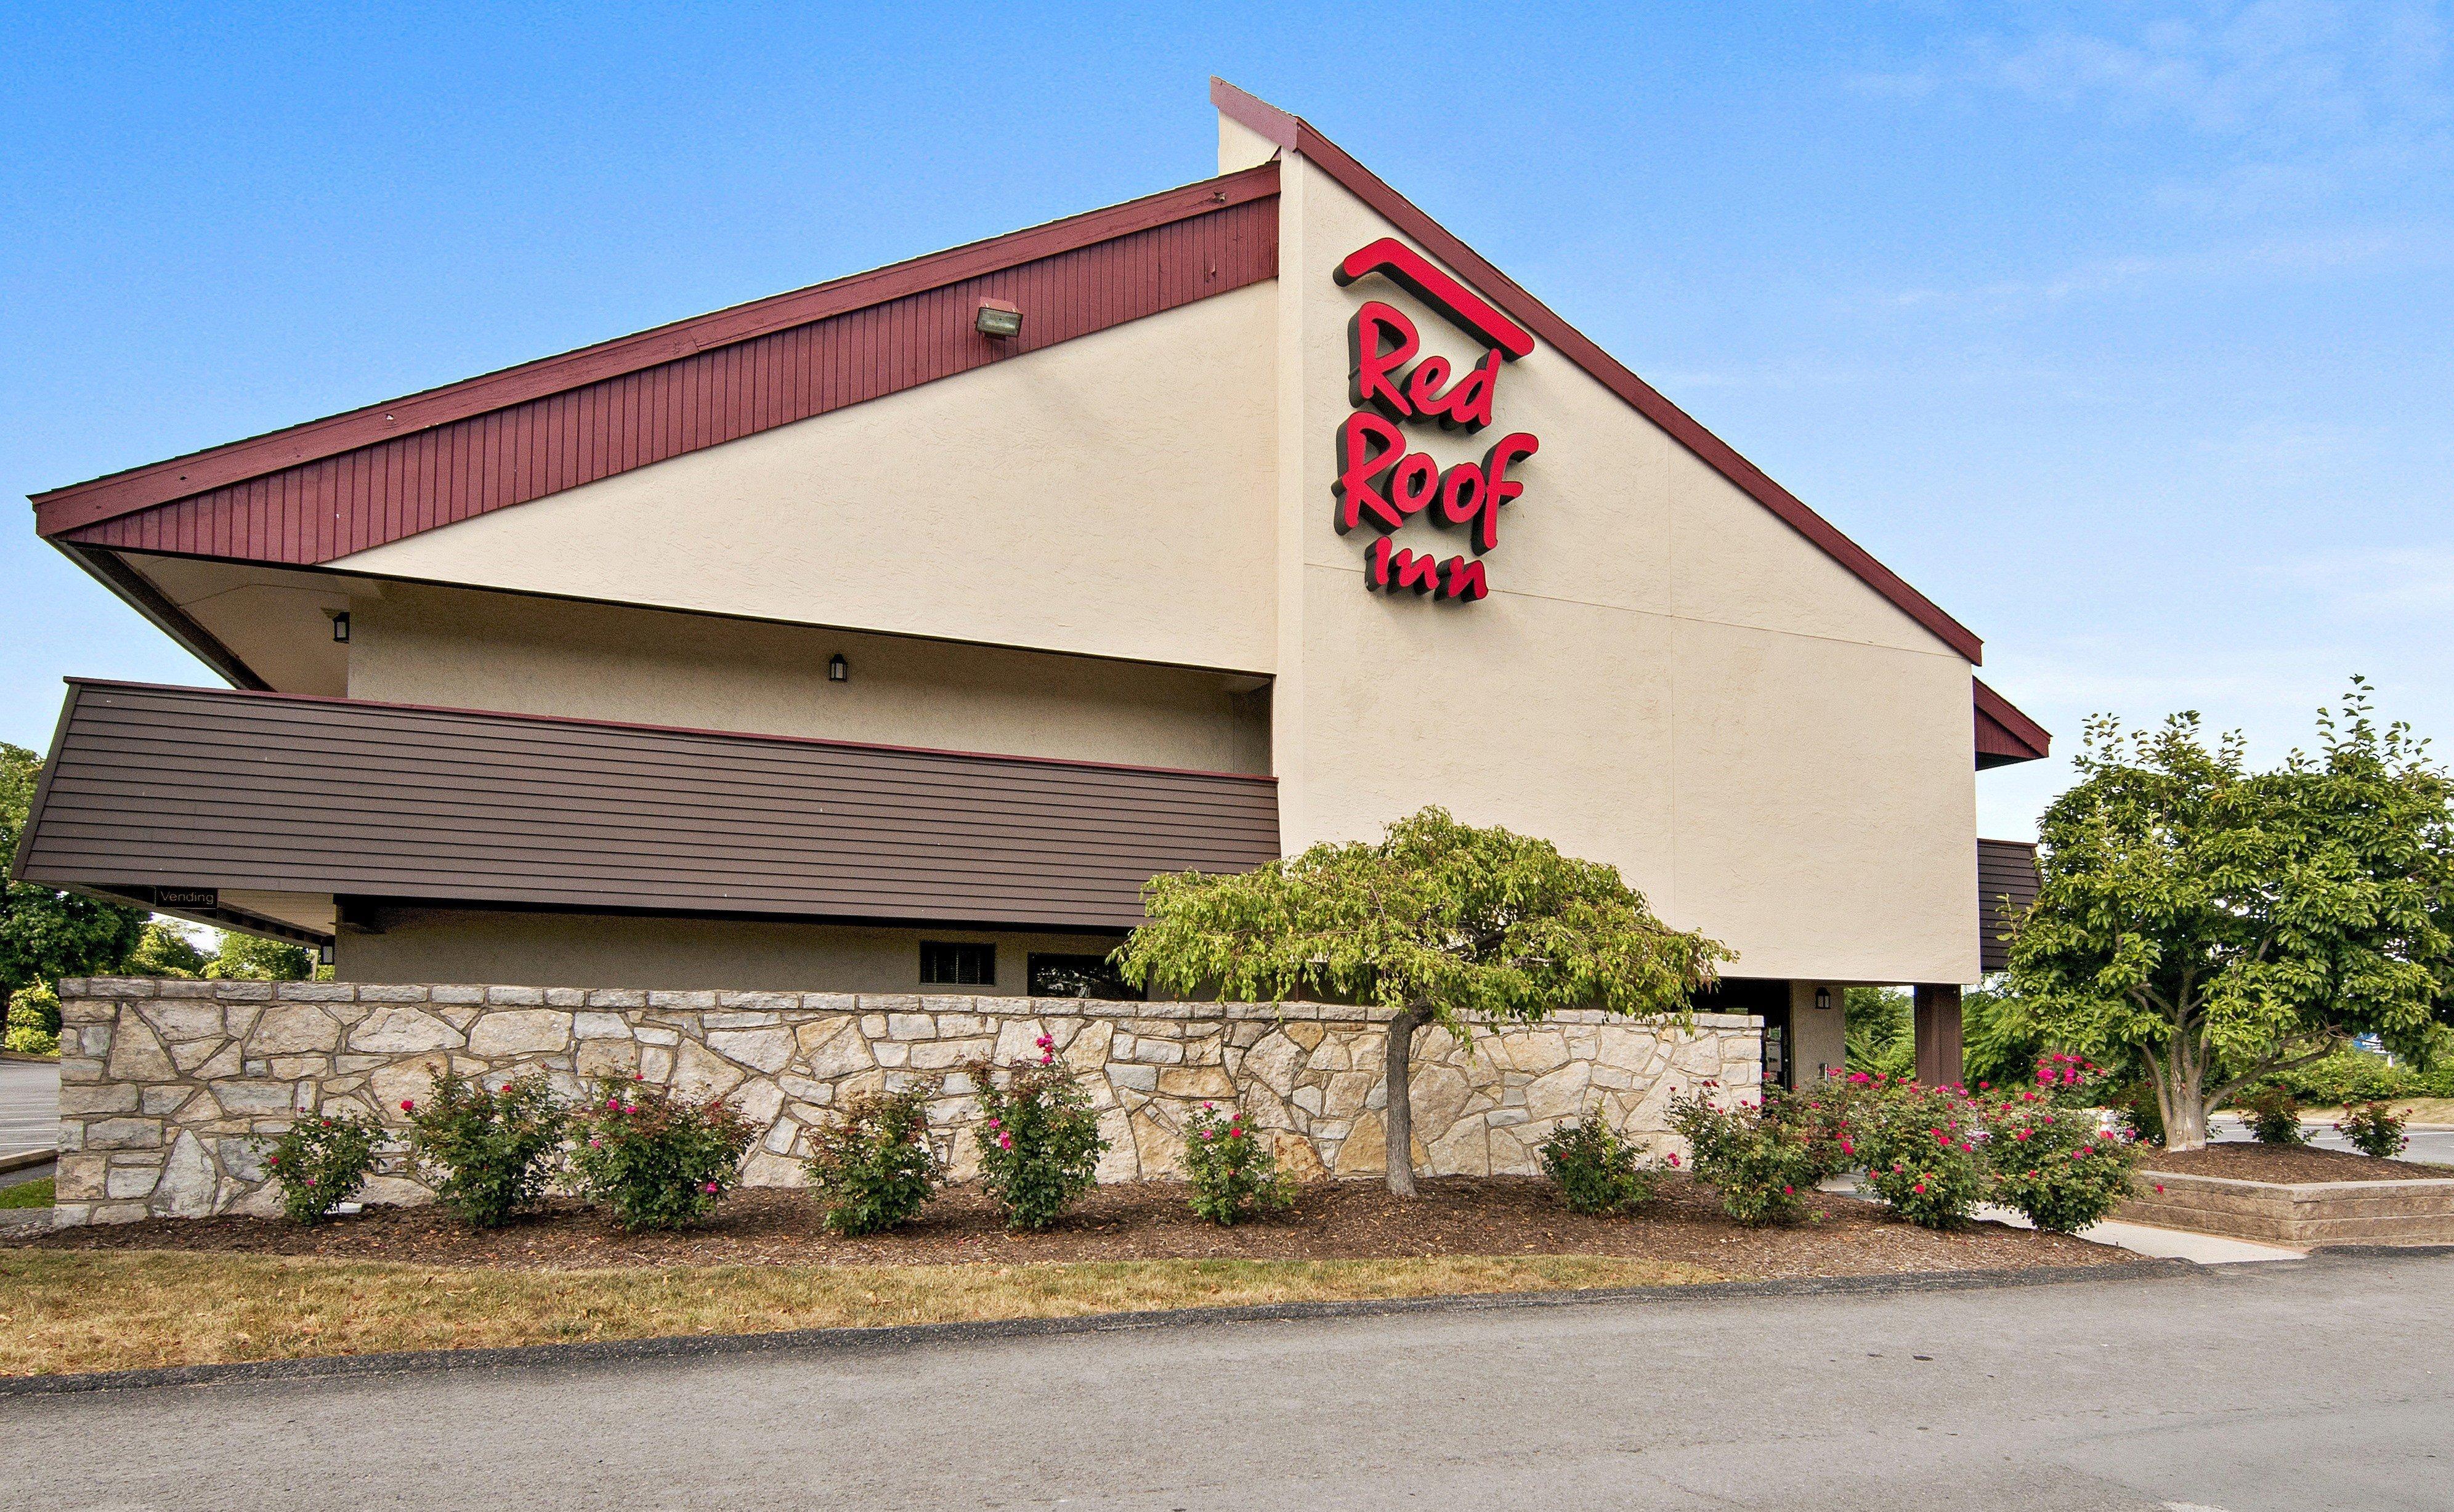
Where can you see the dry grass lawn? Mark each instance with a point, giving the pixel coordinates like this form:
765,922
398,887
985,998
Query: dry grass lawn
66,1311
2437,1112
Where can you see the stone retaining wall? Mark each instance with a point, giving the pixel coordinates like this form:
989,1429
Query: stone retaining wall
161,1082
2420,1211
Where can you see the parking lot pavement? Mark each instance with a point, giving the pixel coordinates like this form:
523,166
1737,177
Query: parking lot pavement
2226,1388
29,1105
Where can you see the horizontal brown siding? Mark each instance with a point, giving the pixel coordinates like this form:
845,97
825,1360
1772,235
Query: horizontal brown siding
397,487
2006,885
202,788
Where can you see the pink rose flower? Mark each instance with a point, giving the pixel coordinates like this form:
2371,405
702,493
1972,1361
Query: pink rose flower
408,1105
709,1188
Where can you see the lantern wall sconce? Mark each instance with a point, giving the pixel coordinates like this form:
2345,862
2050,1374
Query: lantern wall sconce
838,670
1823,999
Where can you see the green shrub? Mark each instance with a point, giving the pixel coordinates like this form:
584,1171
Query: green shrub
2374,1129
2350,1077
486,1154
319,1162
1039,1141
1234,1175
1919,1145
657,1161
1597,1172
2274,1116
875,1167
2053,1164
33,1022
1763,1157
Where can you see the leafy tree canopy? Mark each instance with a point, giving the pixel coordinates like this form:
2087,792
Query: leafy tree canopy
252,957
1444,923
2223,924
162,949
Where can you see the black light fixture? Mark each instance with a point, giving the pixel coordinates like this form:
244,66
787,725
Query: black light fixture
1823,999
323,955
838,670
998,319
341,627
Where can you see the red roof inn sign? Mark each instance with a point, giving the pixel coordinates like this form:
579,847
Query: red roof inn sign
1379,482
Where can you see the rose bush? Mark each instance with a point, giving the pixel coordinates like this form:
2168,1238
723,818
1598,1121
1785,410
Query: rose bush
2274,1116
1234,1175
875,1167
657,1161
1922,1149
1597,1172
2374,1129
1763,1157
1038,1137
486,1153
2053,1163
319,1162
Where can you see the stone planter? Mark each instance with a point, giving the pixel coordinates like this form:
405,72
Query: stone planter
2420,1211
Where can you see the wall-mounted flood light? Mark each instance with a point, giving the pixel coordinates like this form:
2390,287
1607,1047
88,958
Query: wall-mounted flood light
1823,999
341,627
998,318
838,670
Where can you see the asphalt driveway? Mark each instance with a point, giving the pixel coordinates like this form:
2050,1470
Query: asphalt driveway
2306,1383
29,1105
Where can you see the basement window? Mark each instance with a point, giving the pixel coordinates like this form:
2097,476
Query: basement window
957,965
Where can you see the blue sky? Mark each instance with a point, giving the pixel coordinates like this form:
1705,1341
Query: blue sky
2123,331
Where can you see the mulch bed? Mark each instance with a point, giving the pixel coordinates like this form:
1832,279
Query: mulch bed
1149,1220
2276,1162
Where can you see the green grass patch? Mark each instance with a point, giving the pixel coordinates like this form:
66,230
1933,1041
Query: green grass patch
27,1194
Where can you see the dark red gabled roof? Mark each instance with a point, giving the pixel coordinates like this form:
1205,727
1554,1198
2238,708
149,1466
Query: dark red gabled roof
2004,734
350,482
333,487
1295,134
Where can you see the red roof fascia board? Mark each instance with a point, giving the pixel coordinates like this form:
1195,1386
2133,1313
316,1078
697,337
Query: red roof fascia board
1295,134
2004,731
77,505
107,683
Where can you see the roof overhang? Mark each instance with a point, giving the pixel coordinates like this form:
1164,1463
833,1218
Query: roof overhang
186,798
2006,735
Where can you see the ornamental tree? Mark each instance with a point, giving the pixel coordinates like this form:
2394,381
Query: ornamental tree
1443,922
2223,926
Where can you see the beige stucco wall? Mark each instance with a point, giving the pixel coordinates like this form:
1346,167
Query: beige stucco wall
1106,496
470,649
1818,1038
678,955
1666,676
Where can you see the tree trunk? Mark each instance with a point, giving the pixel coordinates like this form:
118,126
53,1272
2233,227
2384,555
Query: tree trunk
1398,1118
2183,1093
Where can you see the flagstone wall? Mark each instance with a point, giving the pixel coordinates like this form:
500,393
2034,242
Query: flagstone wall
161,1082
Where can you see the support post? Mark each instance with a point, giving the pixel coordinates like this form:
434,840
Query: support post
1938,1033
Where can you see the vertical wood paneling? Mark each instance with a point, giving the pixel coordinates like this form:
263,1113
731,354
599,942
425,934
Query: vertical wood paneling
402,485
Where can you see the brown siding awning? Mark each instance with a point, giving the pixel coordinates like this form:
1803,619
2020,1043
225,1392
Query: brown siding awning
155,787
2006,885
